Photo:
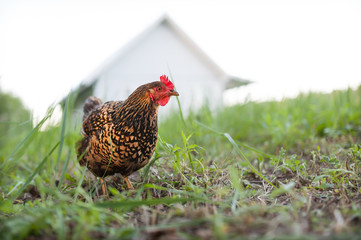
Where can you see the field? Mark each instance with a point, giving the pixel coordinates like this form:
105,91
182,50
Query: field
273,170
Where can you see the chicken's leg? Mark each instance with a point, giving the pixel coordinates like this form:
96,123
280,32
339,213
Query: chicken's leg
128,183
104,186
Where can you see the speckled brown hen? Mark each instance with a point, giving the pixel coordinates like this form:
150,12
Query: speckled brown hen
120,136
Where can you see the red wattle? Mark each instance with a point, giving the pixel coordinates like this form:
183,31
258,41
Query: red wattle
163,101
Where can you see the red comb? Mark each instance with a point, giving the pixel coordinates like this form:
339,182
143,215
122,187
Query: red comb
164,79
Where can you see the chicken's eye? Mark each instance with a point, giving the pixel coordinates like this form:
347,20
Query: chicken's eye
159,88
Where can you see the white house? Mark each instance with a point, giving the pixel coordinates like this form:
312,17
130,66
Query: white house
163,48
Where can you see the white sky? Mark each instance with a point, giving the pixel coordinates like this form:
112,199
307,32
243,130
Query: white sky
49,47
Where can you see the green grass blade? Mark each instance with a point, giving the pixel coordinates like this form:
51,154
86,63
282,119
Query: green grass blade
62,132
147,202
235,145
36,171
61,224
256,150
147,167
178,102
32,132
65,167
79,189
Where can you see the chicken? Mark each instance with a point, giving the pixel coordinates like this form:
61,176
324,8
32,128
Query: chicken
120,136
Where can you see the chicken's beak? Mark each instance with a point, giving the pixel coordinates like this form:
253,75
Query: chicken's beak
173,93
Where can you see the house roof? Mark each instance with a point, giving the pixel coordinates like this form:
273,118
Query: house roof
230,81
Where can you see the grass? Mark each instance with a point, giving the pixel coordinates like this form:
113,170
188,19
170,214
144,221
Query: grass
273,170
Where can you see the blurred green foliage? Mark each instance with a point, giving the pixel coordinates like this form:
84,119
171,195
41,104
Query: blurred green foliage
290,123
15,119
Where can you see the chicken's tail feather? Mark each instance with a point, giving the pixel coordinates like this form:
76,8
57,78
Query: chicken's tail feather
91,104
